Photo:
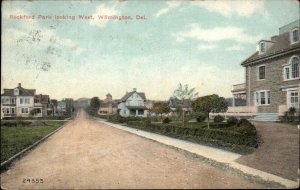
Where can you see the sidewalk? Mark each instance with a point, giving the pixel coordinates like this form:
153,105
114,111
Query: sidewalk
214,154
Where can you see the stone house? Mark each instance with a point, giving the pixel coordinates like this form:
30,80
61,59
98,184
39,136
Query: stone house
272,75
108,106
133,104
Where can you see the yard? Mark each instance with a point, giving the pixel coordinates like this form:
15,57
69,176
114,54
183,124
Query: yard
238,136
19,135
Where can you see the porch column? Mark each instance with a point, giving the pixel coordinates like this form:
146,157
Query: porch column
136,112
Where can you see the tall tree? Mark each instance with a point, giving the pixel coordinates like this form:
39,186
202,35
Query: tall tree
160,108
94,105
183,93
210,104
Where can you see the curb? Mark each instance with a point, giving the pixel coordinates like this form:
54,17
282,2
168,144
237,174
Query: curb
267,177
7,163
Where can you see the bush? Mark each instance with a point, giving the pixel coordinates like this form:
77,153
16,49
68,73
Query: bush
232,120
218,118
166,120
200,117
245,127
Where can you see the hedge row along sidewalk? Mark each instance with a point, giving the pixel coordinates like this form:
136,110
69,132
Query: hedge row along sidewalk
15,141
217,155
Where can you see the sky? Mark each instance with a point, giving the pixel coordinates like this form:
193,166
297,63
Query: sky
199,43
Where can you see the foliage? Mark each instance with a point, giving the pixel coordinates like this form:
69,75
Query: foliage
34,111
232,120
235,139
184,93
210,104
93,108
200,117
166,120
160,108
219,118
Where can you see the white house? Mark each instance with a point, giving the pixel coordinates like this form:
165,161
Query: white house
17,102
133,104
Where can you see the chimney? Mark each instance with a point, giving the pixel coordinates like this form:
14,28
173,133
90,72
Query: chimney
19,85
134,89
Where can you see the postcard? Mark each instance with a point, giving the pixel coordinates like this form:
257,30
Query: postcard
131,94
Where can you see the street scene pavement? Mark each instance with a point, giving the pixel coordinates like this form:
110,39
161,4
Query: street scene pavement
87,154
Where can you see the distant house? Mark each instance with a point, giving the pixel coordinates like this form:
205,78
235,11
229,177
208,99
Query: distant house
133,104
272,83
42,105
18,101
108,106
53,103
176,106
65,106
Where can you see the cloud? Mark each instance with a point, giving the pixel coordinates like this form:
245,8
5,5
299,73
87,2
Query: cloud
112,9
215,34
170,5
232,8
207,47
234,48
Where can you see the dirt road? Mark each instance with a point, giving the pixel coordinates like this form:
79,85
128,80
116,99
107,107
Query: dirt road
89,155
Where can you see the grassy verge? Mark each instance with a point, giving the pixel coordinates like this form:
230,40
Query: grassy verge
16,138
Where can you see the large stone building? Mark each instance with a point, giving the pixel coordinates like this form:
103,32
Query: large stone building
272,75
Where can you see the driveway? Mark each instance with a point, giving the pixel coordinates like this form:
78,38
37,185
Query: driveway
279,152
87,154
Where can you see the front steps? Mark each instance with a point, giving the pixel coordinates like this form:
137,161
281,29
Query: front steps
266,117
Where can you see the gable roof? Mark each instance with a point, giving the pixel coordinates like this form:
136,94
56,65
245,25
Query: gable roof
127,95
176,103
42,98
281,46
22,92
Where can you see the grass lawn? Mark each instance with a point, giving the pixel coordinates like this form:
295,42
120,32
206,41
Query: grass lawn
16,138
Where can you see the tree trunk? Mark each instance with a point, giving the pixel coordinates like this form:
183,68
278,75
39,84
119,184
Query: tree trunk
183,118
208,120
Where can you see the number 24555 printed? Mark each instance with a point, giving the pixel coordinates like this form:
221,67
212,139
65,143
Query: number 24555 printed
33,180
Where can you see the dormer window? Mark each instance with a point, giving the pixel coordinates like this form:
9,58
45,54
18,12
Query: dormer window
262,47
295,35
16,92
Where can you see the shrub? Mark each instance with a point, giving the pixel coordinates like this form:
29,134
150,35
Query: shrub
200,117
166,120
218,118
232,120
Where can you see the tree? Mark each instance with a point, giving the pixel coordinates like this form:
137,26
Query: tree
184,93
94,106
160,108
210,104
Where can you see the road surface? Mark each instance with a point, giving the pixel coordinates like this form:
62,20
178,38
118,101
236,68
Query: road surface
87,154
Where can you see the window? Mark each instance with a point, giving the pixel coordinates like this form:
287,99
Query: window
24,110
6,110
295,35
12,110
261,72
291,71
295,67
141,112
262,97
262,47
293,99
21,101
27,101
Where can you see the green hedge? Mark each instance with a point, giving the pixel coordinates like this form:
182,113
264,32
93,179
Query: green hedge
236,138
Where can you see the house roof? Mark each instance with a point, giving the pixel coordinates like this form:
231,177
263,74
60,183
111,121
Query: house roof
281,45
176,103
127,95
22,92
42,98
